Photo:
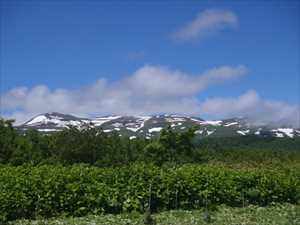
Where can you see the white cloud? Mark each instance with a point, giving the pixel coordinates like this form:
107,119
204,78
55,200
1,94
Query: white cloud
255,108
149,90
207,23
162,82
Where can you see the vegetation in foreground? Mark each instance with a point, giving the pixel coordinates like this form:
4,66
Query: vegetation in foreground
284,214
78,190
83,172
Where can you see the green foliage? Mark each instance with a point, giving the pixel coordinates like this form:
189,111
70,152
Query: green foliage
31,191
93,146
7,140
156,153
43,175
172,147
283,214
179,145
149,220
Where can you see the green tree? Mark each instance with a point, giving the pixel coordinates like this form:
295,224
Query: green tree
7,139
156,153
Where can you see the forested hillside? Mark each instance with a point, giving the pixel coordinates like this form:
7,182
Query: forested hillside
93,146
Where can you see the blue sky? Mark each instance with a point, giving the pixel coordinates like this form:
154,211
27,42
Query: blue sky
72,45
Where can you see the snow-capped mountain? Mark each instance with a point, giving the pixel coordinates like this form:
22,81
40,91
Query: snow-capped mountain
53,122
150,126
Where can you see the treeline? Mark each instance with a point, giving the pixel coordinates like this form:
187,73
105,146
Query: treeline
93,146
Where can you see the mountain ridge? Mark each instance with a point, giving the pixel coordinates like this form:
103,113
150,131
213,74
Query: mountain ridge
149,126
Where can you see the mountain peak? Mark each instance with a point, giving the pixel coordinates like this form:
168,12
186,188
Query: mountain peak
149,126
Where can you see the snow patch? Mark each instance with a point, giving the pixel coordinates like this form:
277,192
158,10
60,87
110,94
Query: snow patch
133,129
106,131
139,124
176,124
98,121
198,132
58,121
132,137
145,118
287,131
108,118
196,120
230,124
175,119
47,130
117,125
210,132
280,135
72,123
258,131
243,132
38,119
212,122
155,129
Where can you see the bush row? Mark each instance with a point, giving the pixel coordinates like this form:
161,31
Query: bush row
34,191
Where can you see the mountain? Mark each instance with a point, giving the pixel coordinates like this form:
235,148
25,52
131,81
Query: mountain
150,126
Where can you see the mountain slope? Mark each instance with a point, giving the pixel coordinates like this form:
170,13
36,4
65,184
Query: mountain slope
150,126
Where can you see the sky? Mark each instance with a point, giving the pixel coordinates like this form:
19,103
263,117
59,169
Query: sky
201,58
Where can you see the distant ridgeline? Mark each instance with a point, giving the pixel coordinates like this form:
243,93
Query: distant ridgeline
117,141
150,126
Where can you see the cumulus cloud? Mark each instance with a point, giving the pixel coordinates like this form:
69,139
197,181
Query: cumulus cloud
207,23
163,82
250,105
149,90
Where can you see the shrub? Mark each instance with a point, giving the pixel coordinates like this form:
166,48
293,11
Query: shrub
30,191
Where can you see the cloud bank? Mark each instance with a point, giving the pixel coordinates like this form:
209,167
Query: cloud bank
149,90
205,24
258,110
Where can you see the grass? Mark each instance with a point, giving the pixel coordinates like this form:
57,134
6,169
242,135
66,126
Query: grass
283,214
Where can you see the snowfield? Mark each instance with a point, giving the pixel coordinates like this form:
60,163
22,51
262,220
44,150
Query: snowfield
150,126
155,129
287,131
212,122
231,124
